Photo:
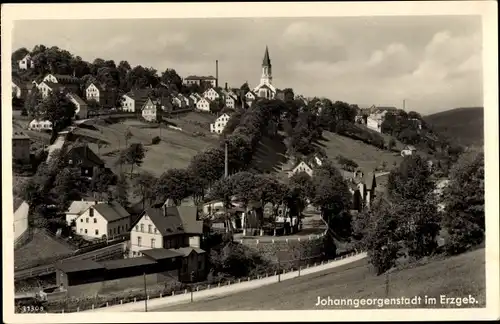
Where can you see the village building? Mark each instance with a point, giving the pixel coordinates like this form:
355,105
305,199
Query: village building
20,89
203,104
106,98
21,145
21,221
375,120
218,126
250,97
265,89
195,98
135,99
417,123
102,220
302,166
199,80
81,107
77,207
408,150
26,62
212,94
83,157
231,100
40,125
149,110
166,227
362,187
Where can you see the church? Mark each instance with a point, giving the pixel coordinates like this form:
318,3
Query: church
265,89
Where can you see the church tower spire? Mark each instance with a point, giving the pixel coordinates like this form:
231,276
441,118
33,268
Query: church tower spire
267,75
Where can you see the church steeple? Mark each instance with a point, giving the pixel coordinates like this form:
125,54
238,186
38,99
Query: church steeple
266,61
267,74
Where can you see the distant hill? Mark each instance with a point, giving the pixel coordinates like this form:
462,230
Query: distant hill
463,125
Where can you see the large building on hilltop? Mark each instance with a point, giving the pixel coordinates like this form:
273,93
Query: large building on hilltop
265,89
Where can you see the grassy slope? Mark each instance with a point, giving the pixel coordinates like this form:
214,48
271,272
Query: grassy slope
465,125
368,157
457,276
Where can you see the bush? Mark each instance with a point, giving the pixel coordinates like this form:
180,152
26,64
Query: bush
346,163
155,140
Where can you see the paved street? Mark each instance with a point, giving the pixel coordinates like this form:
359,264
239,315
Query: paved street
296,294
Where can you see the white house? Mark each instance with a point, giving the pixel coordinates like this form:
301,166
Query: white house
185,100
82,109
77,207
219,124
375,120
26,63
408,150
40,125
166,227
203,104
149,110
212,94
134,100
250,97
193,79
194,98
16,90
103,220
100,95
301,167
46,87
230,101
21,210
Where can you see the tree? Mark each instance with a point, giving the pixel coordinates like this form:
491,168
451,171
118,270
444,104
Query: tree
382,240
19,54
411,180
134,155
57,109
32,102
120,194
223,189
208,165
101,182
67,187
170,78
464,199
143,187
175,184
244,185
332,196
217,105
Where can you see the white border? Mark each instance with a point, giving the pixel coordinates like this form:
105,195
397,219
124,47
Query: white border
486,9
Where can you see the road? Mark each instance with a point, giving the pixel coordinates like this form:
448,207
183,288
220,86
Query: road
295,294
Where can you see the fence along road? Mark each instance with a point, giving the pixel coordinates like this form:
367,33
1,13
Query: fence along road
228,289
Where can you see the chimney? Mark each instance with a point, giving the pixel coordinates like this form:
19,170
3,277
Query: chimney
225,87
216,73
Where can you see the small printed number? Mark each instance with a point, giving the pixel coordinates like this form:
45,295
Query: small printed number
32,309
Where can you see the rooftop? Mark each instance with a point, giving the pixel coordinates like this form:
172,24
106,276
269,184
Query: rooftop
161,254
126,263
78,265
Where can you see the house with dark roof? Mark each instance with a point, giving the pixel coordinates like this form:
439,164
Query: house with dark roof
166,227
101,94
81,107
135,99
102,220
362,187
199,80
83,157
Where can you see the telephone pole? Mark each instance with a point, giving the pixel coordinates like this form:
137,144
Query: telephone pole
404,104
226,162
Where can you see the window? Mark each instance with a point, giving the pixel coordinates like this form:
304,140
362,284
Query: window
110,232
95,220
137,228
91,210
139,239
153,243
96,232
81,230
118,229
156,230
142,228
85,231
150,229
200,265
86,220
81,220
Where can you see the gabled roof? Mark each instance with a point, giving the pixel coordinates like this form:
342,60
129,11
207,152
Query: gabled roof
79,206
185,251
19,135
53,85
84,153
126,263
75,97
195,77
174,220
111,211
65,78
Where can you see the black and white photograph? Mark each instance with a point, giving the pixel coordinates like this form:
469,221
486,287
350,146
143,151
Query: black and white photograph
212,160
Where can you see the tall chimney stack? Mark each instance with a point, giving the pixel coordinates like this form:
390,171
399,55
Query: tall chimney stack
216,73
226,86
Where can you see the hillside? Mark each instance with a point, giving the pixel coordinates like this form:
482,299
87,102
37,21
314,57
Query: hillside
464,125
456,276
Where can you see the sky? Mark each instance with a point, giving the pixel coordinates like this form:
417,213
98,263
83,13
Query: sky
434,63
